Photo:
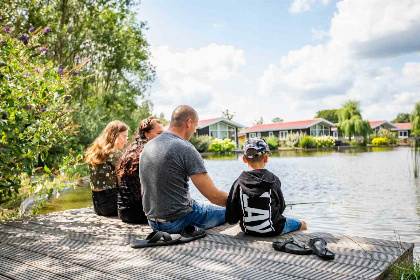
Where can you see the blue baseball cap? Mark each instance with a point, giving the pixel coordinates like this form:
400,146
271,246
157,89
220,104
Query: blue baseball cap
257,144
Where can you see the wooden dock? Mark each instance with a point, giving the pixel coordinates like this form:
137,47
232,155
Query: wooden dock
77,244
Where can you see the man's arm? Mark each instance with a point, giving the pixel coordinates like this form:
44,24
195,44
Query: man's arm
205,185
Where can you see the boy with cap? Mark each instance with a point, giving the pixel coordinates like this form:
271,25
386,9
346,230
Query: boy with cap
256,199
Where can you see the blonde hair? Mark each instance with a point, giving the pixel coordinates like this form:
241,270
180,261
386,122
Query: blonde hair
100,149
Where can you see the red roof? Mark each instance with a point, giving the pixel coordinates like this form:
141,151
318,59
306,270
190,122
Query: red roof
403,125
205,122
281,126
375,123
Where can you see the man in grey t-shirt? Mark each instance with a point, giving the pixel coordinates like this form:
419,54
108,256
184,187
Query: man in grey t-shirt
166,164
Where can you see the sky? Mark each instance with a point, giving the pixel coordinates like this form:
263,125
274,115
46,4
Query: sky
285,58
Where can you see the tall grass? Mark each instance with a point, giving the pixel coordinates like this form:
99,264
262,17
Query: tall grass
415,155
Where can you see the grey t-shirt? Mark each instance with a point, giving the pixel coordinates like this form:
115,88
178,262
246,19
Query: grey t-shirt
166,163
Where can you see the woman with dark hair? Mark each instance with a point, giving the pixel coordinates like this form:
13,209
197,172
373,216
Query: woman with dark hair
130,207
102,157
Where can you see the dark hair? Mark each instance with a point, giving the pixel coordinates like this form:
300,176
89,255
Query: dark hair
251,152
130,160
182,114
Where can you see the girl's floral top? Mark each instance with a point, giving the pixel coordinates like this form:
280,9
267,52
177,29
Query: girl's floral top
103,176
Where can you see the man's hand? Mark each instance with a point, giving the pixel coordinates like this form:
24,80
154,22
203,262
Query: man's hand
205,185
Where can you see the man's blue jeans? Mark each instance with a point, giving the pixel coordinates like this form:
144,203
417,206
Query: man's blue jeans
203,216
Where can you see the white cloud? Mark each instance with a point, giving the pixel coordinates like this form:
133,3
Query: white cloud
300,6
197,77
349,65
377,27
318,34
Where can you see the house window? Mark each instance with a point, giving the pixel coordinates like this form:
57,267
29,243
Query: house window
270,134
259,134
403,134
335,134
319,130
283,134
223,131
252,135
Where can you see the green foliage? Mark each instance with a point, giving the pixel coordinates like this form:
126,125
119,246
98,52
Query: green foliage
35,108
227,115
415,120
350,121
222,146
201,143
353,143
324,141
272,142
293,139
389,135
402,118
307,142
405,271
330,115
106,33
277,120
379,141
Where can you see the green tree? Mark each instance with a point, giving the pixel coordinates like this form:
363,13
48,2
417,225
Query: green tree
350,121
402,118
227,115
415,120
35,111
277,120
330,115
260,121
106,33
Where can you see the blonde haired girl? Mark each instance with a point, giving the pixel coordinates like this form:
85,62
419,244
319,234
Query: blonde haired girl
103,156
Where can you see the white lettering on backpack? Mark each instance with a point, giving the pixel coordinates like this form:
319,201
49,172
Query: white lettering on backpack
255,215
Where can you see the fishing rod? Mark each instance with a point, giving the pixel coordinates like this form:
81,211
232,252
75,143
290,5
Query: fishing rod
304,203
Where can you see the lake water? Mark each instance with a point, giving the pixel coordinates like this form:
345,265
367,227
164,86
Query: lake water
361,192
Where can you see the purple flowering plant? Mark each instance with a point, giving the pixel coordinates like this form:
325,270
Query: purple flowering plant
43,117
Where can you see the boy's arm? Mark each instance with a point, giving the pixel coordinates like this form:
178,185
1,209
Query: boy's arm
233,206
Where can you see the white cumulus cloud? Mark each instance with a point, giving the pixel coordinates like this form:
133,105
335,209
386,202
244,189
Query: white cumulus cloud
350,65
300,6
196,77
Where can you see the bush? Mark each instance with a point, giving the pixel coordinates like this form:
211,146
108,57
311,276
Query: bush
222,146
390,136
379,141
201,143
308,142
35,114
293,139
272,142
324,141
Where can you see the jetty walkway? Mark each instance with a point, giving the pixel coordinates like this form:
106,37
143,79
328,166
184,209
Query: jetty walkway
77,244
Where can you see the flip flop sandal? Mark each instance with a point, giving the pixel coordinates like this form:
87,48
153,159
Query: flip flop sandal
157,238
319,247
292,246
190,233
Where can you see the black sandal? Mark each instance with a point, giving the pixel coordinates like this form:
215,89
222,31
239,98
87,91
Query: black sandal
319,247
157,238
292,246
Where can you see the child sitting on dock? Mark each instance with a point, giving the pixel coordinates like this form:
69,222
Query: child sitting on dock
256,199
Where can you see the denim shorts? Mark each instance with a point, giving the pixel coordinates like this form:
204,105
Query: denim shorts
291,225
203,215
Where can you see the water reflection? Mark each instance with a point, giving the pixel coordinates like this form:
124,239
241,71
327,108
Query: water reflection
367,191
